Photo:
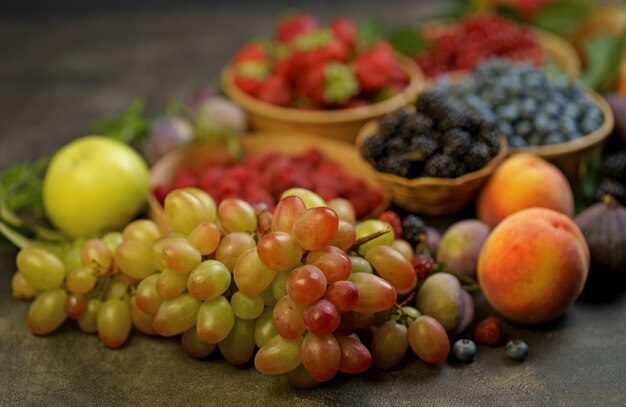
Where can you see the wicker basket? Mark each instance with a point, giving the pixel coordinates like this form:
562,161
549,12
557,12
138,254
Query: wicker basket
428,195
343,124
288,143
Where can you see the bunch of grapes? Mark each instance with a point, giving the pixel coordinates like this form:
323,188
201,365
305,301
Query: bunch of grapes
303,285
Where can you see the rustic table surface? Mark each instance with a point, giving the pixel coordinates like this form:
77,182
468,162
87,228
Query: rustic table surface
60,71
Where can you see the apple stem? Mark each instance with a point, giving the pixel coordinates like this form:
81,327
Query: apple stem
355,247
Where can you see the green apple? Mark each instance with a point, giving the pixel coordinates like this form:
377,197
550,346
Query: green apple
94,185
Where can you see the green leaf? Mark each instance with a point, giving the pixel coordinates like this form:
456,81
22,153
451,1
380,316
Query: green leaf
562,16
368,32
590,179
510,12
604,55
129,127
409,41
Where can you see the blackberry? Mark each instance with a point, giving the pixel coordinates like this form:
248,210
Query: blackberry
393,165
614,165
611,187
478,156
413,229
491,139
374,147
396,146
440,166
456,119
456,142
433,104
391,122
461,169
420,148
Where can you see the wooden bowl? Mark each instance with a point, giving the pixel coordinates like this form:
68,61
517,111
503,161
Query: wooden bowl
289,143
343,124
428,195
570,156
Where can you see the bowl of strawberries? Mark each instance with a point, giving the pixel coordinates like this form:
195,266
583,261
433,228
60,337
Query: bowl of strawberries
319,79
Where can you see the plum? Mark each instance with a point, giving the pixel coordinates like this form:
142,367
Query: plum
460,246
442,297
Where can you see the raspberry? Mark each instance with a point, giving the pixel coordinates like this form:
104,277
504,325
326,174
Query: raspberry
393,219
424,266
488,332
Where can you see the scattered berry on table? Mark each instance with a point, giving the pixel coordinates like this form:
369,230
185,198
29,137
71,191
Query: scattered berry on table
488,332
516,349
464,350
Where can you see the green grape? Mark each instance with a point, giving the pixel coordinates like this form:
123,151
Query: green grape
264,328
286,212
355,357
429,340
81,280
310,198
40,268
345,237
170,284
141,320
47,312
360,265
112,240
232,246
344,209
205,237
236,215
143,230
134,258
185,210
207,202
279,285
299,378
21,288
246,307
315,228
389,345
372,226
375,294
176,315
193,345
391,265
180,256
209,280
251,275
278,355
88,322
147,297
114,323
117,288
215,320
96,254
238,347
72,259
268,296
157,248
404,247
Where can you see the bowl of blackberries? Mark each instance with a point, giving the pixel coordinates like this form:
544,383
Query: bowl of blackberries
433,157
554,117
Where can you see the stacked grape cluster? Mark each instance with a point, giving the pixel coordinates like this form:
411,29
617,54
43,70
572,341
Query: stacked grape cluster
304,285
527,106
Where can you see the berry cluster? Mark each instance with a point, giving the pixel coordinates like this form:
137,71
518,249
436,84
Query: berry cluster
527,106
474,39
262,179
614,181
314,67
435,140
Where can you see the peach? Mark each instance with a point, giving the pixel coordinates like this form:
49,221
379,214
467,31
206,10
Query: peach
533,265
524,181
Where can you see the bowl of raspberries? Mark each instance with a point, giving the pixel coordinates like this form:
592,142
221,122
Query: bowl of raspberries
319,79
432,157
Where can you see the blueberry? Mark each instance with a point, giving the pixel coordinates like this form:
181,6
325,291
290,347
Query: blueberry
528,108
535,139
506,128
542,123
554,138
551,109
464,350
516,349
517,141
523,128
588,125
508,112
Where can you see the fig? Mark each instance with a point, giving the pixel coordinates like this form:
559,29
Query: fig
442,298
460,246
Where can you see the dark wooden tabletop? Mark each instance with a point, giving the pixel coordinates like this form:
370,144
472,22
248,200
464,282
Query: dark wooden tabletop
60,71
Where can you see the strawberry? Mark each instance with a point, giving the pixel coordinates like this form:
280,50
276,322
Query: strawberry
332,84
345,31
317,48
253,52
374,67
249,76
488,331
275,90
293,26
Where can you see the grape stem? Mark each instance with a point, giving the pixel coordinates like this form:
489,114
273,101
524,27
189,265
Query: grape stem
355,247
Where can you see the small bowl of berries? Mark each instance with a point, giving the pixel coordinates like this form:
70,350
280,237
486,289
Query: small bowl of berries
432,157
325,80
272,163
